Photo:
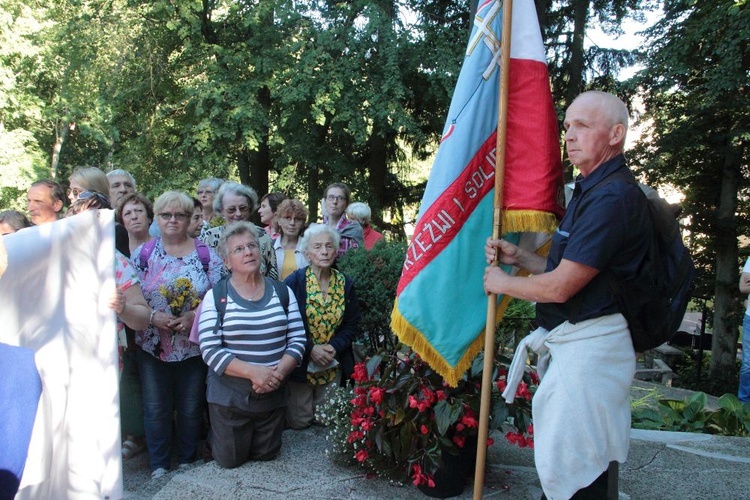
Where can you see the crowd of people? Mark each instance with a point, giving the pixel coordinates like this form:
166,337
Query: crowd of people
213,344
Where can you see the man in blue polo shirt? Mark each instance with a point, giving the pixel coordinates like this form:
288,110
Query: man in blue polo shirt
581,408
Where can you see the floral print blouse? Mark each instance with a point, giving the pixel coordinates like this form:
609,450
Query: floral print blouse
157,278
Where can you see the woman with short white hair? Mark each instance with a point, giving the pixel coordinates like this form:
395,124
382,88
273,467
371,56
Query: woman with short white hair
360,212
331,314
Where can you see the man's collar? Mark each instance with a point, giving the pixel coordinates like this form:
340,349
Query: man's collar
600,172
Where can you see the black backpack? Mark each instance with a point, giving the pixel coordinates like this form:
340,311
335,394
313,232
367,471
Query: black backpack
654,302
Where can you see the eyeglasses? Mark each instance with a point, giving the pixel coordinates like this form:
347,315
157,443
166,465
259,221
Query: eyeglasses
178,216
333,197
204,191
250,247
242,208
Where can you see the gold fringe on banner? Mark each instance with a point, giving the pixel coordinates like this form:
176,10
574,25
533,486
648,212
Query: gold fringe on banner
409,335
518,221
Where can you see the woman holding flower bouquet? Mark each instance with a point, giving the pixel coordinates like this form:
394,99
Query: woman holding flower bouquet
175,271
250,350
330,310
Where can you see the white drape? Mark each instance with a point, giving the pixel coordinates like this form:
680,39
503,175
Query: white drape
53,300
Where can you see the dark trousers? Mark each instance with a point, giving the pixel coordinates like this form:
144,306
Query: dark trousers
604,487
237,436
176,387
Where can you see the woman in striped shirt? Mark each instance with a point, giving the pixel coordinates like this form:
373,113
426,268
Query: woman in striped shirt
260,340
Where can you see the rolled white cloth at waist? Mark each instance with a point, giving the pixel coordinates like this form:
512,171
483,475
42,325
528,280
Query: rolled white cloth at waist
581,409
535,342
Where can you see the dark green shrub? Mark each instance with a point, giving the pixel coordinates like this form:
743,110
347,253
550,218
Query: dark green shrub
686,375
375,273
515,325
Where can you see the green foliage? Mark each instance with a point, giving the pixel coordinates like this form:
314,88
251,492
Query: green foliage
375,273
732,418
515,324
403,417
686,375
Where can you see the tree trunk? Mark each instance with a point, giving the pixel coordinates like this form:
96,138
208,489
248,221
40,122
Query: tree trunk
377,163
576,66
61,133
726,318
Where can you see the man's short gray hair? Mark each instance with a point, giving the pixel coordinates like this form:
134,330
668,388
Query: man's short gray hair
118,172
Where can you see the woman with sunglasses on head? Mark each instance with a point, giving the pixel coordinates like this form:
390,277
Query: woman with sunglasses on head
235,202
89,179
290,223
336,199
175,272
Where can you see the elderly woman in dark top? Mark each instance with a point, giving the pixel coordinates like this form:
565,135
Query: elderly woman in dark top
235,202
249,352
330,311
174,270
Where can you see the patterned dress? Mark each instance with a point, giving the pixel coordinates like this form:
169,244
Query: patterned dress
268,266
162,271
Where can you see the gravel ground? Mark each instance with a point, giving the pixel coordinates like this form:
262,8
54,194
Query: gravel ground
136,477
137,482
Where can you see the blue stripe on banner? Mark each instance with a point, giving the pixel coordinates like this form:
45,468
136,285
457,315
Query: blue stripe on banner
455,280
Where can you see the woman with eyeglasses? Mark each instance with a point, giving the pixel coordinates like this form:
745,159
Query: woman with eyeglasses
206,192
335,201
235,202
136,213
249,351
330,311
175,271
289,222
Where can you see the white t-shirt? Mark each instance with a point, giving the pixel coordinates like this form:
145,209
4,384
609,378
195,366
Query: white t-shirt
746,269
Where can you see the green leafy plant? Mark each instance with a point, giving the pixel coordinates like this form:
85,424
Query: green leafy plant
402,416
375,273
692,414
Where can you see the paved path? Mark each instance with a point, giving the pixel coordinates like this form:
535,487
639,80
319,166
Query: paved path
661,465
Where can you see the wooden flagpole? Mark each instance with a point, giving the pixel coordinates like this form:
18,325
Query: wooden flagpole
489,332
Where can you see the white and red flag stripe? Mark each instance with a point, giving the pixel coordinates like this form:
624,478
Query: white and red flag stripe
440,306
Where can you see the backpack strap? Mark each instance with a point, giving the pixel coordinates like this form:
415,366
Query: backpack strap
146,250
283,292
220,292
203,254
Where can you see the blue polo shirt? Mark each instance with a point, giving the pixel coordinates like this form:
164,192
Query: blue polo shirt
608,229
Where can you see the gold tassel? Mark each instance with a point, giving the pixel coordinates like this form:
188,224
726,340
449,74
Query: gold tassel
517,221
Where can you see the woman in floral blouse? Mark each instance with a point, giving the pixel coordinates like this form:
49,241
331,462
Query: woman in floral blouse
330,311
175,272
235,202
